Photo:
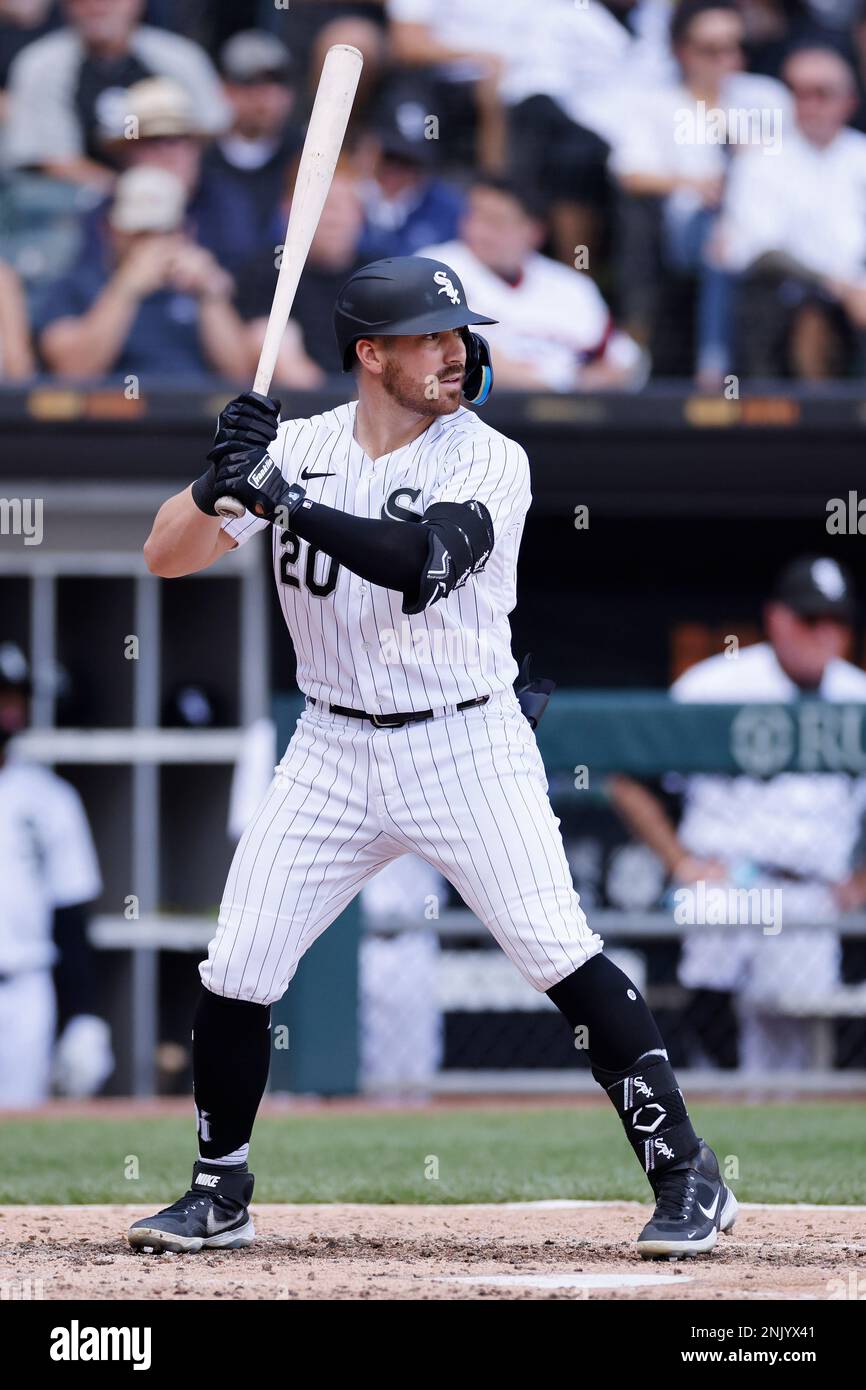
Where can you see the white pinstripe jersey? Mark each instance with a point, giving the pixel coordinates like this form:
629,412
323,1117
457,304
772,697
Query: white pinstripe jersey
354,645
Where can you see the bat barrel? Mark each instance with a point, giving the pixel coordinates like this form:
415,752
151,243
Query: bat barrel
341,72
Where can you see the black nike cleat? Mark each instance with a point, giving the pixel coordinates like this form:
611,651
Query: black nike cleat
692,1206
211,1215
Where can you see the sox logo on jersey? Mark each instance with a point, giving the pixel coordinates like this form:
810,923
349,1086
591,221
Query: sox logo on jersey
464,790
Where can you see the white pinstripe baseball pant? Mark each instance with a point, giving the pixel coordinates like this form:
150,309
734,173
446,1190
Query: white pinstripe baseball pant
466,791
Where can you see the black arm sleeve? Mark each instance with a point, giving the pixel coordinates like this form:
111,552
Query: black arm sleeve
424,561
74,974
388,553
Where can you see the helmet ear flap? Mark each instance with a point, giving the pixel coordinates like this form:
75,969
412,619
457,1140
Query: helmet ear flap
478,381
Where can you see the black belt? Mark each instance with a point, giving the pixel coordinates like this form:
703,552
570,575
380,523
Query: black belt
396,721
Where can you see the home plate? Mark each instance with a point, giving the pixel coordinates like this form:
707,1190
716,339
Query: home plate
570,1281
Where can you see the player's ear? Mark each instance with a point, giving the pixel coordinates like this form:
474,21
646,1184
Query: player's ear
369,352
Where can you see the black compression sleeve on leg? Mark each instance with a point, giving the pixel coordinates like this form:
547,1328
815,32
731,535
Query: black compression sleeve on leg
603,1000
385,552
231,1055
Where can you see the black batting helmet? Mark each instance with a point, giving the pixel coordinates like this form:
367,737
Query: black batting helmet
399,295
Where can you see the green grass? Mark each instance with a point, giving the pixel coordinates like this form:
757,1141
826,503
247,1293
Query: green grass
785,1153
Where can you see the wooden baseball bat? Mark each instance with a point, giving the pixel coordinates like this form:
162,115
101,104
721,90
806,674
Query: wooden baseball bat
338,83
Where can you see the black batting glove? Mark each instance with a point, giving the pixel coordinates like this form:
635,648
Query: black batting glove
248,422
255,480
204,492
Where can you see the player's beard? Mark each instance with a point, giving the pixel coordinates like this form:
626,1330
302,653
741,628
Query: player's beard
416,396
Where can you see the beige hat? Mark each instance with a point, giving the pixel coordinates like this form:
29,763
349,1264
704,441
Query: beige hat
153,107
254,55
148,199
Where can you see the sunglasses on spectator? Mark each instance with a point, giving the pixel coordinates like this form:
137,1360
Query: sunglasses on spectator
813,620
717,50
816,92
167,139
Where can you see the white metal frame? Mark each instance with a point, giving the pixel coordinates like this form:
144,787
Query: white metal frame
144,746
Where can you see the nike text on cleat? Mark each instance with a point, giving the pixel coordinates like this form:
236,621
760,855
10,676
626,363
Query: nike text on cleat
212,1214
692,1206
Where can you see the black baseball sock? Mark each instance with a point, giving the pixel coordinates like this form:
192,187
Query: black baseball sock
231,1055
629,1060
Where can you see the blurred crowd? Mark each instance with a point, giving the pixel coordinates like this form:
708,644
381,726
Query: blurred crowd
665,187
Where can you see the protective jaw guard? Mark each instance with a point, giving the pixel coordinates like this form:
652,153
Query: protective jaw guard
533,695
478,381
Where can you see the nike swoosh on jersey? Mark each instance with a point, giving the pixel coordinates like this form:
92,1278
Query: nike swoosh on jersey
712,1211
306,475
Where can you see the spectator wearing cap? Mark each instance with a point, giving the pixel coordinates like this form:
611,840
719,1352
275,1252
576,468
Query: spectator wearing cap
154,123
244,169
231,206
793,229
671,163
155,127
406,205
161,309
797,835
553,331
16,354
64,87
309,351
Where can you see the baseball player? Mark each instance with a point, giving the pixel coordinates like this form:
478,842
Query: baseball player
798,834
48,875
395,522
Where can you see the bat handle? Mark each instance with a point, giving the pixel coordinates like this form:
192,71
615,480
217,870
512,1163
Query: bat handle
229,507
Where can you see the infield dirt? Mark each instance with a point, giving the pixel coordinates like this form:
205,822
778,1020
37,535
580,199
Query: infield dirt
424,1252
